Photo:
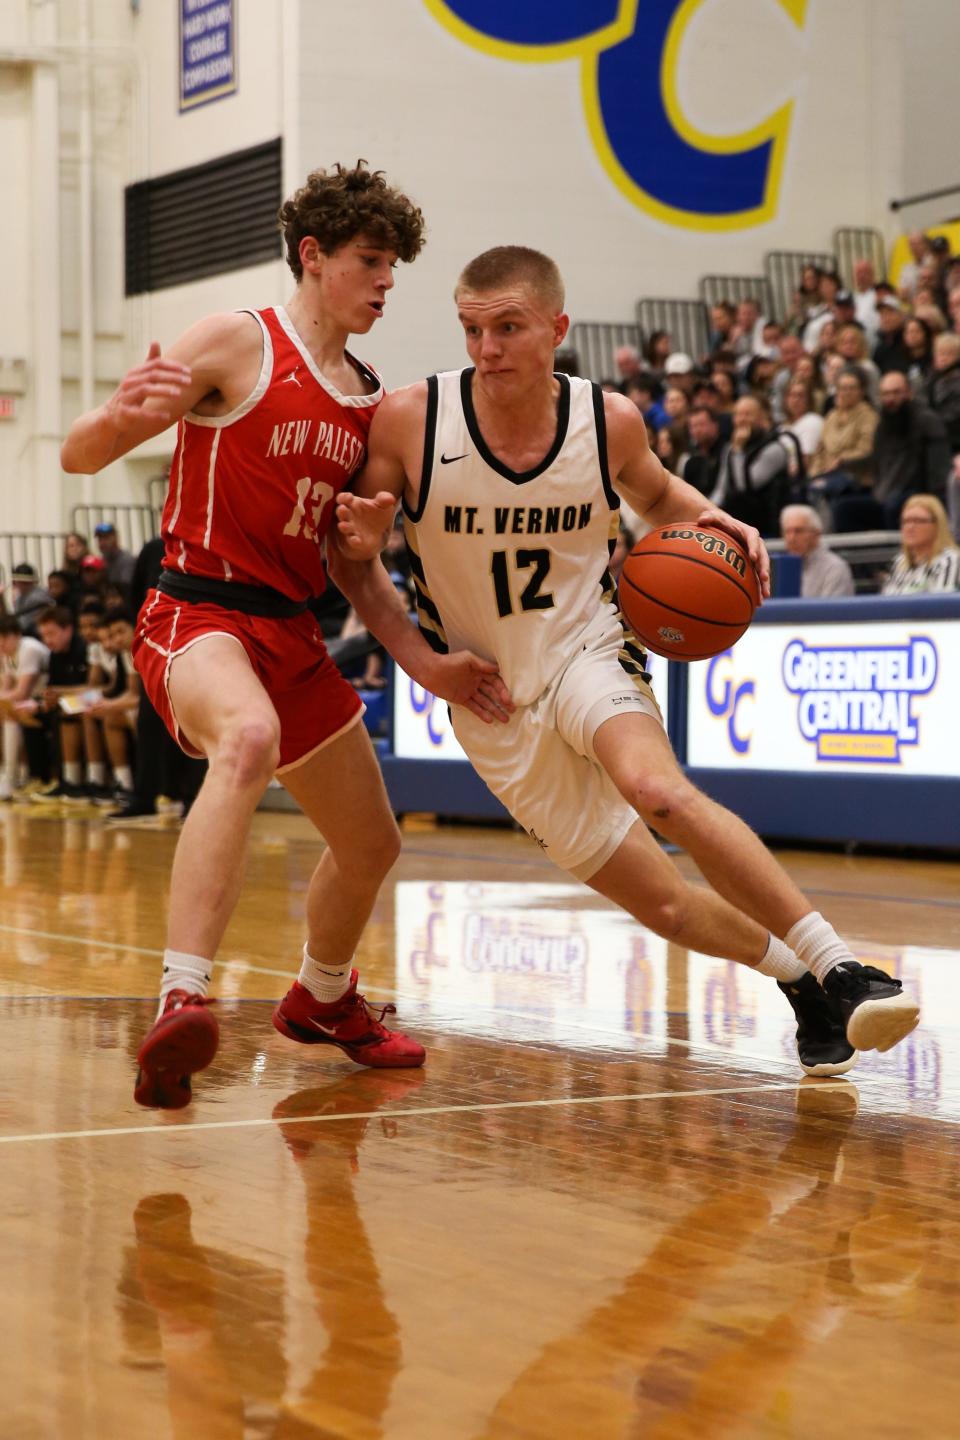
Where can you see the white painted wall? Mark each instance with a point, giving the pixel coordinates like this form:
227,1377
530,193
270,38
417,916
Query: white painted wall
493,150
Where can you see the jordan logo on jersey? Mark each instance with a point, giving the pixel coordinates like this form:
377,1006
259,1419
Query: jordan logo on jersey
291,379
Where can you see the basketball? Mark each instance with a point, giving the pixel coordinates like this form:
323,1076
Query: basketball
688,592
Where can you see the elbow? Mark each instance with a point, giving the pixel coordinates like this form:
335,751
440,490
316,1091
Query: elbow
70,462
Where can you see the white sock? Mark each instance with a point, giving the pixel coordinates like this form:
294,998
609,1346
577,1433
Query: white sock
780,962
123,776
72,772
96,772
326,983
184,972
818,945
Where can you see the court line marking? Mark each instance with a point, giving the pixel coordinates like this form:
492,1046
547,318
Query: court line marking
630,1097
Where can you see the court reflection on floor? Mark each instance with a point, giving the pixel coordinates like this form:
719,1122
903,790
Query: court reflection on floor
222,1326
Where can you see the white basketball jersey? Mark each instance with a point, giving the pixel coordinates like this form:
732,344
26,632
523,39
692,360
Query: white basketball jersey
514,566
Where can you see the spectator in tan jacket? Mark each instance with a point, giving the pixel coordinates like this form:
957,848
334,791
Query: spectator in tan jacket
848,430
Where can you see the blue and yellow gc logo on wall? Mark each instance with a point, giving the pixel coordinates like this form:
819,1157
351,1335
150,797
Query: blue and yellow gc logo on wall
629,52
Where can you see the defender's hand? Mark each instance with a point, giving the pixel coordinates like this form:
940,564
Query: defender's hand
746,536
464,679
156,379
363,524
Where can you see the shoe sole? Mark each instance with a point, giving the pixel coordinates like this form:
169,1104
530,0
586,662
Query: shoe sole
180,1050
881,1024
840,1068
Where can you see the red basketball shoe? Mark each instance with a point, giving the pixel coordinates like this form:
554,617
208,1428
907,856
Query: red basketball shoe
183,1040
348,1022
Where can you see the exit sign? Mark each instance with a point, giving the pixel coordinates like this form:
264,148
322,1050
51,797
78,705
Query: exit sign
8,407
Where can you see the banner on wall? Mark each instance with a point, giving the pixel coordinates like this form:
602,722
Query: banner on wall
421,724
866,698
208,51
629,60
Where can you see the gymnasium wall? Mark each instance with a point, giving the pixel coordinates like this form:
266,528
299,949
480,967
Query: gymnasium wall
642,146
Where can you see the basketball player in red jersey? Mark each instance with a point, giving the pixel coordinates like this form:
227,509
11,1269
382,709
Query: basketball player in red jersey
273,414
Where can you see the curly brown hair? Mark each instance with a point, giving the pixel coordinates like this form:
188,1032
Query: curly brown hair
335,205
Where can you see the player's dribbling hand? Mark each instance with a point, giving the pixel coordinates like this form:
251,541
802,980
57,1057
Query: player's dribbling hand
464,679
363,524
158,380
746,536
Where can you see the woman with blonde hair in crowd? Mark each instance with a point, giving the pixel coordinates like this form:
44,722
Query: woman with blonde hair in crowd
929,561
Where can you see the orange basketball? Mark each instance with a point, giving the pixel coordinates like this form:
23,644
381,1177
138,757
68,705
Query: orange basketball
688,591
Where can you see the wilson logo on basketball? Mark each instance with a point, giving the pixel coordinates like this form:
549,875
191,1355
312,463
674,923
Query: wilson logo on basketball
711,545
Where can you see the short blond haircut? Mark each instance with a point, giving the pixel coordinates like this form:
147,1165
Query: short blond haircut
934,508
514,265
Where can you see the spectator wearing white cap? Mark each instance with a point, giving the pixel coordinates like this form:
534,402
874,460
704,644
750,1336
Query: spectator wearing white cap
680,373
823,574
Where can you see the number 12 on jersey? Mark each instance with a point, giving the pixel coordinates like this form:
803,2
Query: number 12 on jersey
530,597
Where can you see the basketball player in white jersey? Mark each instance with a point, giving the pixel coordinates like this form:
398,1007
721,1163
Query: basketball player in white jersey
510,478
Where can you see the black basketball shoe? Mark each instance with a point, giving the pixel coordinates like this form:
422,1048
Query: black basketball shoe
874,1010
822,1045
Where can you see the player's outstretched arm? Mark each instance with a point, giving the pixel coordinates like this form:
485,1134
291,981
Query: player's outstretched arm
158,392
662,498
462,678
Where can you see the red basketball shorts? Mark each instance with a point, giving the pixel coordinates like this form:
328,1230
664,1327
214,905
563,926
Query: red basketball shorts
314,702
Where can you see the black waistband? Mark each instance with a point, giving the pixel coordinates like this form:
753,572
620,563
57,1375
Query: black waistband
248,599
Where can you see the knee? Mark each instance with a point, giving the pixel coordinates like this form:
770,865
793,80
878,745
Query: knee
665,914
382,851
366,854
249,751
665,802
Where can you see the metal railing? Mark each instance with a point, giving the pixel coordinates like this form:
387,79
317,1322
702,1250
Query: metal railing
869,553
136,524
784,269
684,320
595,342
853,243
716,288
926,195
42,550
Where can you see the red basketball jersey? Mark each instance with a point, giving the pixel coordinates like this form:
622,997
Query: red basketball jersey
252,493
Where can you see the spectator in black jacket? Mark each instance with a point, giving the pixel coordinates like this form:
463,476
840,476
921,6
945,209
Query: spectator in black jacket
890,353
911,455
702,468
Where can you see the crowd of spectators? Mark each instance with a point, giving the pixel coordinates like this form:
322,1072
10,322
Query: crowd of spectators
71,709
843,416
848,406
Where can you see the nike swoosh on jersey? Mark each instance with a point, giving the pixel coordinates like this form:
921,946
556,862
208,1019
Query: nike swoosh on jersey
449,459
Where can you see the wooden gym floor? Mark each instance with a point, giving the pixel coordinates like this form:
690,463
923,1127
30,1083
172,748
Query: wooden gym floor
608,1207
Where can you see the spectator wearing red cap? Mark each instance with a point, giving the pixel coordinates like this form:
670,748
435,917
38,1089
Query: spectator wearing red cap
93,578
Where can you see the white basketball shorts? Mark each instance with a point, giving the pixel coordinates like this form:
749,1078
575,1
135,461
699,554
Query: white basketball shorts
542,765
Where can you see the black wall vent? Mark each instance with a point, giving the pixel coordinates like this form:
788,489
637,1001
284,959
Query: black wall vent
214,217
